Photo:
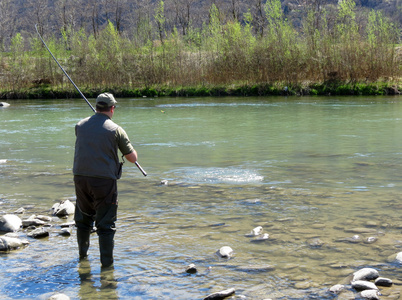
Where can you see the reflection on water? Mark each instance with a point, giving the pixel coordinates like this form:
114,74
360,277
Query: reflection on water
320,175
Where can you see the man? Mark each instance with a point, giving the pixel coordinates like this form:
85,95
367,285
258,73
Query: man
96,170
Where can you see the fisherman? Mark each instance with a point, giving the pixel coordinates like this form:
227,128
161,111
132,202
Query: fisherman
96,170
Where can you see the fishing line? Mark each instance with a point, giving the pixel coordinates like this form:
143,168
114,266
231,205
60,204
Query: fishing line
76,87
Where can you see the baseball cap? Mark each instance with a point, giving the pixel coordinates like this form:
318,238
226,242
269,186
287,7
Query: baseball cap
106,98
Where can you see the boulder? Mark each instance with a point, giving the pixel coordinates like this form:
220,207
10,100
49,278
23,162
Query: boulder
10,243
370,294
381,281
64,208
10,223
220,295
365,274
191,269
39,233
225,252
361,285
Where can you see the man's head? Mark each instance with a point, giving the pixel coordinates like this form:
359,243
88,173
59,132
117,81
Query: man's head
104,102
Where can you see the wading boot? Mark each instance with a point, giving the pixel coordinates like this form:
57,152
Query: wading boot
83,237
106,245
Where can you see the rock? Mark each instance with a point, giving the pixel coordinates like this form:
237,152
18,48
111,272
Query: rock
371,240
65,231
59,297
65,207
21,210
398,257
261,238
32,221
10,243
256,269
256,231
225,252
337,288
370,294
4,104
361,285
315,243
44,218
361,230
381,281
38,233
220,295
10,223
68,224
365,274
354,239
191,269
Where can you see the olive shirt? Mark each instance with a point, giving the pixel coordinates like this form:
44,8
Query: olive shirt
96,147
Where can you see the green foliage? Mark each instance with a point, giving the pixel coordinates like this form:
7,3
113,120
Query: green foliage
221,58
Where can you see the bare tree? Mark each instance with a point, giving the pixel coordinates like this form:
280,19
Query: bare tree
7,22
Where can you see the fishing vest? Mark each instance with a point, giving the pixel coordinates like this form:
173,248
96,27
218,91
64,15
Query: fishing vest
98,140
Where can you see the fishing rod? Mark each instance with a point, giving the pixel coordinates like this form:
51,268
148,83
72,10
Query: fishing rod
76,87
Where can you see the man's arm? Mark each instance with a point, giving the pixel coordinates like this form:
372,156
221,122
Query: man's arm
132,157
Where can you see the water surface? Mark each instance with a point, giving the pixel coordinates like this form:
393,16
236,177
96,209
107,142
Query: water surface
313,172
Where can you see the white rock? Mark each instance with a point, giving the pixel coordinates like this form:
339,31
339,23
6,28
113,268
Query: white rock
10,223
365,274
10,243
256,231
225,252
4,104
370,294
361,285
65,207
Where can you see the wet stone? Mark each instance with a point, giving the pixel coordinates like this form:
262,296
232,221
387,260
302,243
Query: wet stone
191,269
220,295
365,274
225,252
39,233
370,294
381,281
361,285
336,289
10,223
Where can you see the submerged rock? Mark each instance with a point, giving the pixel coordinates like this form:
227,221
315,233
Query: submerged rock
220,295
64,208
10,223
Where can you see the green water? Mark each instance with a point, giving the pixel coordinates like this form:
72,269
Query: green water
313,172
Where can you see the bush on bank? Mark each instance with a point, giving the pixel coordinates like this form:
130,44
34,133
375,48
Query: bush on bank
340,57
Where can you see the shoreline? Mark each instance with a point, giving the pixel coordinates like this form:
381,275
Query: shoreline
317,89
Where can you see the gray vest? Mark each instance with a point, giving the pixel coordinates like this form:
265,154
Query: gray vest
96,147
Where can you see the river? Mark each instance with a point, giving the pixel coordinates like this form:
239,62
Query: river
320,175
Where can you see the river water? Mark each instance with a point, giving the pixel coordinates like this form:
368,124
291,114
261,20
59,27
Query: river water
320,175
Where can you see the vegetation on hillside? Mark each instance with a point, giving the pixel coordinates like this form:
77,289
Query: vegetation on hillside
325,55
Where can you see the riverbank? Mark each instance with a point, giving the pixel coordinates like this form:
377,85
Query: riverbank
318,89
